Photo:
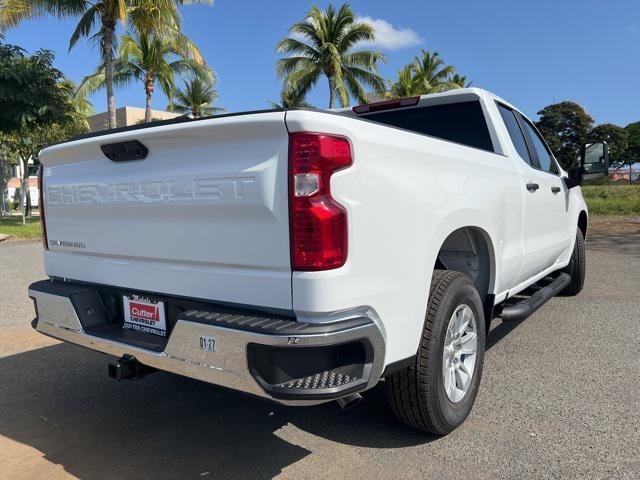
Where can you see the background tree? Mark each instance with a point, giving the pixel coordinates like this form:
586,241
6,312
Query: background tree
28,88
461,80
431,72
565,126
104,14
326,48
290,98
153,58
36,109
617,138
633,149
98,22
196,99
426,74
406,85
80,102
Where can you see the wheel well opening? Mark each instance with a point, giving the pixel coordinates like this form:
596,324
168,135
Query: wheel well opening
469,250
582,223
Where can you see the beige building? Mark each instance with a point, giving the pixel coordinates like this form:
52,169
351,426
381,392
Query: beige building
126,116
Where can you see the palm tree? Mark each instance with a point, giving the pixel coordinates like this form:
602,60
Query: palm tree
461,81
195,98
290,98
326,48
101,15
432,73
82,105
407,84
152,59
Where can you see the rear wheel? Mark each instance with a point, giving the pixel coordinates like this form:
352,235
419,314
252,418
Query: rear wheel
577,267
436,393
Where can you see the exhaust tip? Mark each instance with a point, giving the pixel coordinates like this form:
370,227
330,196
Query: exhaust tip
350,401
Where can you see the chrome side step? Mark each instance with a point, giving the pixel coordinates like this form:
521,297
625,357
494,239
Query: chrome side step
521,310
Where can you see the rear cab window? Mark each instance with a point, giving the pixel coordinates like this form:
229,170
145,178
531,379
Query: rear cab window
460,122
515,133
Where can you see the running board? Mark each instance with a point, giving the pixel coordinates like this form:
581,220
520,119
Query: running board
521,310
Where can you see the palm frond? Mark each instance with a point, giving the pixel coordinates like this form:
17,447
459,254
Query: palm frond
12,12
85,25
285,66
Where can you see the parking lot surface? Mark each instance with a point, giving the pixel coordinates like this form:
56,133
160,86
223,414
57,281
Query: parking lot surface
560,397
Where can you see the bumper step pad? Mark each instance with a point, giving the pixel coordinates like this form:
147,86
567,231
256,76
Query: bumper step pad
269,325
328,379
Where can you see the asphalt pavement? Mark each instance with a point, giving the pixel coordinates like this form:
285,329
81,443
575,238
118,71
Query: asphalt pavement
560,398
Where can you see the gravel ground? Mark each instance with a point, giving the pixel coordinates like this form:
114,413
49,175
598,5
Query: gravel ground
560,397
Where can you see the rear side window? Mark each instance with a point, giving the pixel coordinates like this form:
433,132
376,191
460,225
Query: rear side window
515,133
462,122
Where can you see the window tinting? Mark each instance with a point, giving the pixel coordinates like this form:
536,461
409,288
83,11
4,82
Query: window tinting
543,154
462,122
515,133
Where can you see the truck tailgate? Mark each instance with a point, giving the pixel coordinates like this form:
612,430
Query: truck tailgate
204,215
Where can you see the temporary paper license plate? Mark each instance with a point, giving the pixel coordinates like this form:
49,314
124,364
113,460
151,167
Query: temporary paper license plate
144,314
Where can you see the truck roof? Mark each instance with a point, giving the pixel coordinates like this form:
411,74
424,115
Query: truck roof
450,96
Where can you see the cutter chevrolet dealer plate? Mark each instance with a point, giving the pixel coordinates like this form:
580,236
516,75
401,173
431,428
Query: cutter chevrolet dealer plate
144,314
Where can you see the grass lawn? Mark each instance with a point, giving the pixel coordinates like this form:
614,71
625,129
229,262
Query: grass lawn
13,226
612,199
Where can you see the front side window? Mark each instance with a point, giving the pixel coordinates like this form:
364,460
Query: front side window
545,158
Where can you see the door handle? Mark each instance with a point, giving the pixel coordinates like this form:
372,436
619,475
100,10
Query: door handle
532,187
555,190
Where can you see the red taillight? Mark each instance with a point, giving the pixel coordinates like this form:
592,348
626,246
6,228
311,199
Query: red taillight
43,225
318,223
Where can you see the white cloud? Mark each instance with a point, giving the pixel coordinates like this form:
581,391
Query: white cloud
390,37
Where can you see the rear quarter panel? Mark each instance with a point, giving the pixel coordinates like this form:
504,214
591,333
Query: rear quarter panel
404,194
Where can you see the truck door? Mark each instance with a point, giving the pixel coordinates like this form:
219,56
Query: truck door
552,192
541,213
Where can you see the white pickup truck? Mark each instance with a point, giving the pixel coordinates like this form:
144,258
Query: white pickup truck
303,256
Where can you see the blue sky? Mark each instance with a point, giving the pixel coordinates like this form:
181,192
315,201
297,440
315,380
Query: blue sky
531,53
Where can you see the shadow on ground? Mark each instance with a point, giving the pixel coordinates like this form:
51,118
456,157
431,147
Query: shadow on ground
59,400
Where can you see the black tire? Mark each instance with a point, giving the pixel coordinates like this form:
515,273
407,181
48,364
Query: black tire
417,393
577,267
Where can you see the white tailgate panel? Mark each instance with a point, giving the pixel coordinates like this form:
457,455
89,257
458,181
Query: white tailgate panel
204,215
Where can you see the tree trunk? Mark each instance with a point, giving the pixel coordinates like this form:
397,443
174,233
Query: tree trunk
109,27
3,182
330,92
147,109
24,188
148,90
29,205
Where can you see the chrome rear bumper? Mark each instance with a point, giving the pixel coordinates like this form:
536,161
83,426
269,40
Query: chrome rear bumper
62,310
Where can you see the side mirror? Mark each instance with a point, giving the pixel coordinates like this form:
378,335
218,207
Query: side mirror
575,177
594,160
